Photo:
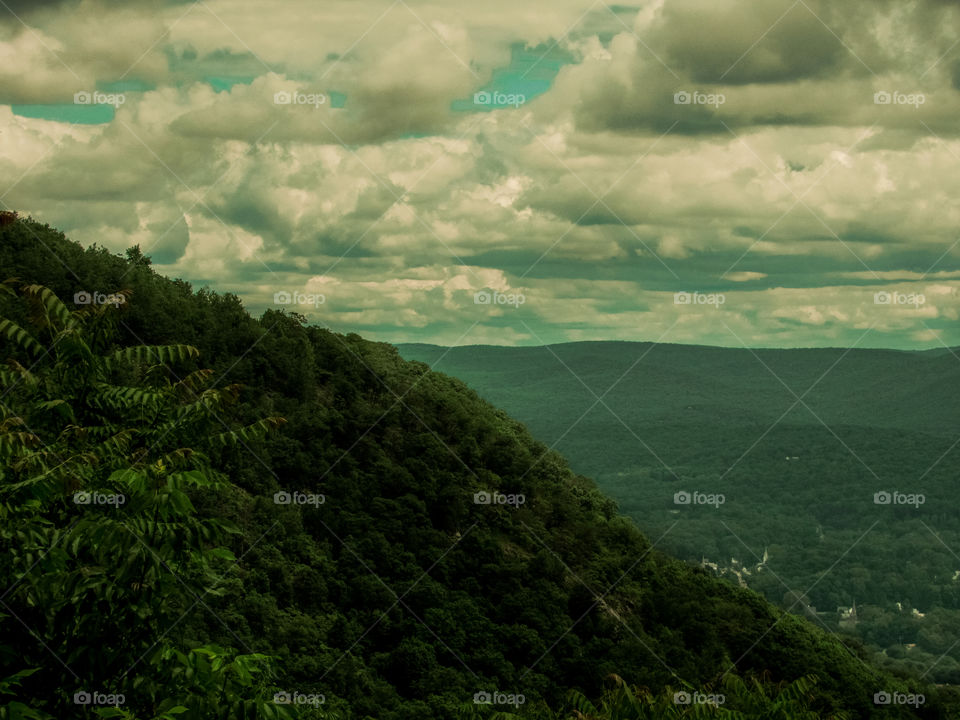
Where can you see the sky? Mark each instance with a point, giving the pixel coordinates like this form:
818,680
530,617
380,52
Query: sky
723,172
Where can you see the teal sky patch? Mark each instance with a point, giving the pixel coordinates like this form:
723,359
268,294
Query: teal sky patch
126,86
98,108
530,73
68,113
223,83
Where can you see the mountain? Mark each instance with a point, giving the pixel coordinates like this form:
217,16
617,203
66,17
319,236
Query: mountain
803,445
691,384
204,514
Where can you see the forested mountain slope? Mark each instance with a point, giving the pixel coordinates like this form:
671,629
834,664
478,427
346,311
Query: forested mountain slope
345,541
811,451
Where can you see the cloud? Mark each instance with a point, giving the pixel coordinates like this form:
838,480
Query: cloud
797,196
741,42
745,276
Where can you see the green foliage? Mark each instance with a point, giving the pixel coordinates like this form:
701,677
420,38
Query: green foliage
396,597
799,478
731,697
103,546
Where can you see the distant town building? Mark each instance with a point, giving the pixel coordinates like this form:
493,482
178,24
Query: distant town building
847,616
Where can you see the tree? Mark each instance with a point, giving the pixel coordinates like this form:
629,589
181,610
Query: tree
103,551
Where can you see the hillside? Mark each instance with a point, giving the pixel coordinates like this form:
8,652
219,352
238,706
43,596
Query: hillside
913,391
798,442
304,520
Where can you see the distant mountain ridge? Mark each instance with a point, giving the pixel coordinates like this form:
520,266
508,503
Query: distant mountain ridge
911,390
806,447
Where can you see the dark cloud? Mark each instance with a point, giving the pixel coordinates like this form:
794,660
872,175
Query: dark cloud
23,8
171,240
374,201
739,43
249,207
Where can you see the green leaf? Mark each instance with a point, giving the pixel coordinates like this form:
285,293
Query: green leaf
21,337
152,354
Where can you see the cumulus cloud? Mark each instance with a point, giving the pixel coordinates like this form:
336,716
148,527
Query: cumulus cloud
795,159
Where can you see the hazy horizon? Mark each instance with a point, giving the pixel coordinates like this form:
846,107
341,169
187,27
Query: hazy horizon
704,345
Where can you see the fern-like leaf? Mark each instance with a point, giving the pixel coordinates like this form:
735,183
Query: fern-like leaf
21,337
152,354
52,306
249,433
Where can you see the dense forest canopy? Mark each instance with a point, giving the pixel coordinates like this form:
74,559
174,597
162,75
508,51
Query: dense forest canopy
204,514
837,469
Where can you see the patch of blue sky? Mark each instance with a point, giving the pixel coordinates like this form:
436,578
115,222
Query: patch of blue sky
530,73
